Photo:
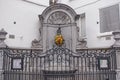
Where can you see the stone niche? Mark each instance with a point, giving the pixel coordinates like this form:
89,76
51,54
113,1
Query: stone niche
54,17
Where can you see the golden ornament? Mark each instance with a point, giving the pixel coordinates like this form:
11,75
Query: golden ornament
59,40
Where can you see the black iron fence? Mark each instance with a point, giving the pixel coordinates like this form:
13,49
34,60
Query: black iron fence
59,64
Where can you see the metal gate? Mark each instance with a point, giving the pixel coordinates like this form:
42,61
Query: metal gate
59,64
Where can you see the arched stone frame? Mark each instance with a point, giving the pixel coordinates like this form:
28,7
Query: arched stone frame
58,18
59,7
44,24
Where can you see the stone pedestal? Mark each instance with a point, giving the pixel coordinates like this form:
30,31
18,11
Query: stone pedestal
116,45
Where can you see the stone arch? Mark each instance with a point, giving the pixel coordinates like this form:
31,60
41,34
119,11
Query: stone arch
59,17
59,7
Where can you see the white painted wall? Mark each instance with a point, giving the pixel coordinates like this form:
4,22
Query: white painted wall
27,22
91,8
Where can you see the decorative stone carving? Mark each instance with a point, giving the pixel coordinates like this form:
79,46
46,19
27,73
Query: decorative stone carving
41,18
116,35
52,2
41,33
3,34
81,42
59,7
77,17
39,43
36,44
41,29
55,16
59,17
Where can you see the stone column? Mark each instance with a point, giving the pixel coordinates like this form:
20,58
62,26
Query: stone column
116,45
2,46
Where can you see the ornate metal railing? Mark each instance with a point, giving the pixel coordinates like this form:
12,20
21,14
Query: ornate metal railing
59,64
